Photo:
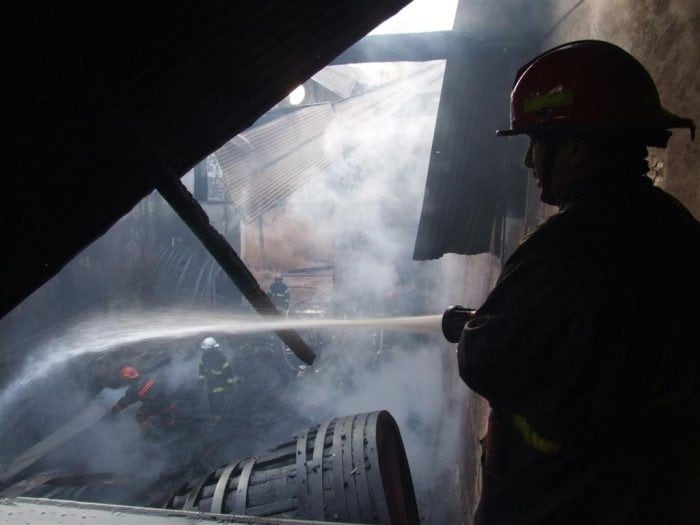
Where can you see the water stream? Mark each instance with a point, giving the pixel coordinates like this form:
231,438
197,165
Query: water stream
106,333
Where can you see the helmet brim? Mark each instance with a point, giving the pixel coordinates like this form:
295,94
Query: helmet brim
509,132
665,121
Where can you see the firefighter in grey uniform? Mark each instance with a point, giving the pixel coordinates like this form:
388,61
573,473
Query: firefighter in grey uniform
215,374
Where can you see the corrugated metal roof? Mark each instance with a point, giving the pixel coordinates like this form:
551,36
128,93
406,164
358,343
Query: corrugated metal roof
390,96
270,161
267,163
338,79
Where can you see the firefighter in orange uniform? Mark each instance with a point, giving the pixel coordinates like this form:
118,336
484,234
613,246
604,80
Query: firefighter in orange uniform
155,406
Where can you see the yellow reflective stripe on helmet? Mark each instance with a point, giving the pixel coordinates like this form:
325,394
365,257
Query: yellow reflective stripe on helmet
548,100
218,389
542,444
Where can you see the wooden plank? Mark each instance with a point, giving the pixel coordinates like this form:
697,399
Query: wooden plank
269,492
340,509
347,473
280,484
275,508
359,469
191,500
203,505
278,456
301,477
374,478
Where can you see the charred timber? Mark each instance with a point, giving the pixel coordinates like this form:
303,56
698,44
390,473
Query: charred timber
189,210
352,469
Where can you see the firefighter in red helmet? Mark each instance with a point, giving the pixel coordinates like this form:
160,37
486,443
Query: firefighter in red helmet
587,348
155,407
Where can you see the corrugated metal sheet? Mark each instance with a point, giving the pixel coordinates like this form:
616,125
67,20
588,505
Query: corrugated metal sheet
470,168
338,79
388,97
476,179
267,163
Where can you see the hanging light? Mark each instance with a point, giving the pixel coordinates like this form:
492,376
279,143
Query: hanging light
297,96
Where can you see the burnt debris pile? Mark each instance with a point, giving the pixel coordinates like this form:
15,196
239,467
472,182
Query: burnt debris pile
352,469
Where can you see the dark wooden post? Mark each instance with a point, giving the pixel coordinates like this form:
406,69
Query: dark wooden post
189,210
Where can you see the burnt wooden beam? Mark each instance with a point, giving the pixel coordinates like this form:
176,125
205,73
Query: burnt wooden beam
189,210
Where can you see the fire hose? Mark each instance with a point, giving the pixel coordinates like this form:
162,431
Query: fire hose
453,321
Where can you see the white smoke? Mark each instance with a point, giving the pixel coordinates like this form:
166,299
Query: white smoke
376,193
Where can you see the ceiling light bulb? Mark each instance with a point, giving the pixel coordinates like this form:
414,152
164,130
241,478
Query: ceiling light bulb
297,96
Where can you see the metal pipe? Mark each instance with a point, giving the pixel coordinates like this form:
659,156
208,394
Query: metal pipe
189,210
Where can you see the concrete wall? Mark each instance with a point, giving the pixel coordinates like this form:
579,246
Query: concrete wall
663,35
467,280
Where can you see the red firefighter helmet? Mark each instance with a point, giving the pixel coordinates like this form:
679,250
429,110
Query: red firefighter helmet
592,86
129,372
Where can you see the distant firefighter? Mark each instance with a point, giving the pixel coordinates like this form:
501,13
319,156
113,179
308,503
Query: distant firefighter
215,374
155,406
279,293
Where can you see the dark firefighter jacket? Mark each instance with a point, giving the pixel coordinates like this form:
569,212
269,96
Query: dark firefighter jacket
279,293
587,351
215,371
148,391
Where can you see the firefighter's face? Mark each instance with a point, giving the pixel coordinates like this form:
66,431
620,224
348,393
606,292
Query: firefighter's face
564,179
534,159
530,160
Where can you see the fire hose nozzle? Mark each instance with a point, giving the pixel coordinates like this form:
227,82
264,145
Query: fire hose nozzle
453,321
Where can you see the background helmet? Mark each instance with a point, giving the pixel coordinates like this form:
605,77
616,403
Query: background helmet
590,86
208,343
278,278
129,372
